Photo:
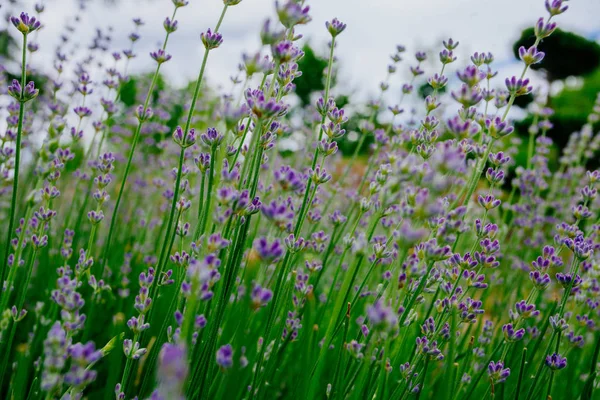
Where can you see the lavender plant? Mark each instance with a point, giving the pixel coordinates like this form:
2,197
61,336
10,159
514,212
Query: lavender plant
231,269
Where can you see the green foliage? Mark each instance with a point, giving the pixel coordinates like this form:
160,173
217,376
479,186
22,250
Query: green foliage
567,54
128,92
577,102
571,108
312,67
7,45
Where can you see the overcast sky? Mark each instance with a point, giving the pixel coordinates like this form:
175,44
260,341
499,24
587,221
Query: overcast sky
374,28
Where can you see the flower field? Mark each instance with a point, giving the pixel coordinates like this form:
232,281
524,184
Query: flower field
159,243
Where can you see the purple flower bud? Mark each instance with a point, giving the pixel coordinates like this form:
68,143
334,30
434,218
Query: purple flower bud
133,350
555,361
212,138
540,280
211,40
497,372
14,89
170,25
471,75
438,82
184,140
285,51
291,13
450,44
447,57
530,56
261,107
525,310
498,159
260,296
319,175
25,24
497,128
467,96
488,202
544,29
518,87
512,335
143,114
268,252
556,7
335,27
225,356
160,56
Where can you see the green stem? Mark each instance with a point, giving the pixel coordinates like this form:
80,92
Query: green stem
13,201
550,385
521,373
200,204
209,194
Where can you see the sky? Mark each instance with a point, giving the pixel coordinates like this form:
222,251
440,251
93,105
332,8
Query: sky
375,27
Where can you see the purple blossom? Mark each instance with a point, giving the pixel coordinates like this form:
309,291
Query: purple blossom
555,361
25,24
531,55
211,40
225,356
172,370
335,27
497,372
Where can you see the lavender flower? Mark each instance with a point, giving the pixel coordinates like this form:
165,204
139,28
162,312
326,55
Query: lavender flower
25,24
211,40
531,55
172,371
555,361
335,27
497,372
225,356
55,357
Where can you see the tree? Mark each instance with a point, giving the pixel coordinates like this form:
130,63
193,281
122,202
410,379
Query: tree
312,79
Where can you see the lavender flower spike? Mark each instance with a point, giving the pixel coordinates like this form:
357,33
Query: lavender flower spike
25,24
335,27
160,56
555,361
211,40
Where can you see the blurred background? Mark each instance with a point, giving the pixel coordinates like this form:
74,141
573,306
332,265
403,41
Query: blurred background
570,74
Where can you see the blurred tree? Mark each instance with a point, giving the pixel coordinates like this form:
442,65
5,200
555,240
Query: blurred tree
7,45
567,54
312,79
571,106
